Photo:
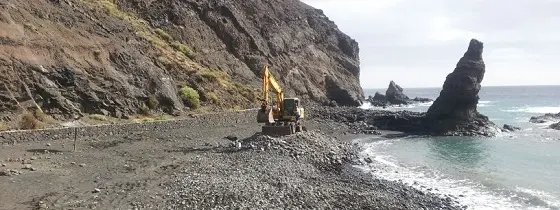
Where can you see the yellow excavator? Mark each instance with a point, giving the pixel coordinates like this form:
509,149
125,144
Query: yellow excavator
283,116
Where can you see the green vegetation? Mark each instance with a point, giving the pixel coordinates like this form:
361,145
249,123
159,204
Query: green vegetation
164,35
247,92
164,62
213,97
177,56
187,51
190,96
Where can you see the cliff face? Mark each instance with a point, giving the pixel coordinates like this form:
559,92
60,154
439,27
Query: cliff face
118,57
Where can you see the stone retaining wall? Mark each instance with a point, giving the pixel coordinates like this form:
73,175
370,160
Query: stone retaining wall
207,120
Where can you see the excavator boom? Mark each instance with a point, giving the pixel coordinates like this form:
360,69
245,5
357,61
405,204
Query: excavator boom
268,80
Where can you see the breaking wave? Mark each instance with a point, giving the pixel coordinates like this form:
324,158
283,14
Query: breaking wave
536,109
467,192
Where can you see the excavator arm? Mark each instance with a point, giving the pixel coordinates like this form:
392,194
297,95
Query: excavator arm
268,81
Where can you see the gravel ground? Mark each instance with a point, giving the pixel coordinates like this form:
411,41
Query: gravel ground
200,169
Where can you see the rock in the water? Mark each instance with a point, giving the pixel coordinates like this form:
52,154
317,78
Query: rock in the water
378,100
511,128
454,112
422,100
555,126
378,97
395,95
545,118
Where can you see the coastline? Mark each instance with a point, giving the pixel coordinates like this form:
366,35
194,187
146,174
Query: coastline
196,167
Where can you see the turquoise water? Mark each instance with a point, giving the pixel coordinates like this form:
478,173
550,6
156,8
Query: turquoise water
518,170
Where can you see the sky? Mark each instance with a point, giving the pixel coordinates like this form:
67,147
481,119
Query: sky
417,43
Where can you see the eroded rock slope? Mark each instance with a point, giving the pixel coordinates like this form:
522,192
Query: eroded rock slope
118,58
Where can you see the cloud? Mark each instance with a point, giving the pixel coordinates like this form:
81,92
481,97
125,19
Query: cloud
424,39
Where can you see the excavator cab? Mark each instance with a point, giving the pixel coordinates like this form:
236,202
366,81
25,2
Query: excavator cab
292,110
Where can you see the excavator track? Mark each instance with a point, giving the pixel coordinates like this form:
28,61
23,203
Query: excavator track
282,129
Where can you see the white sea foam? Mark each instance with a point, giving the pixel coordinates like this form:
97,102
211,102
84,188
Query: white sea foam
546,197
537,109
467,192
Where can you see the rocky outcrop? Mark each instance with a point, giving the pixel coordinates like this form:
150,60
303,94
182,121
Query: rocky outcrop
555,126
378,100
122,58
453,113
549,117
394,96
510,128
455,110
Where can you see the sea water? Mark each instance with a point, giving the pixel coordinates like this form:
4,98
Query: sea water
519,170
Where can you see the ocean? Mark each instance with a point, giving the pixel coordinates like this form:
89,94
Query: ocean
519,170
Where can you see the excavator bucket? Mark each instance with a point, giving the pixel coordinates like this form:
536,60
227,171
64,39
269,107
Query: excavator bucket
265,116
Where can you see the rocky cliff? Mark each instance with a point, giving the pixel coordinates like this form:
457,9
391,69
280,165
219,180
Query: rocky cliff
119,58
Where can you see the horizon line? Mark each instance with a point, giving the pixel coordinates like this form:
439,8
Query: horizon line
369,88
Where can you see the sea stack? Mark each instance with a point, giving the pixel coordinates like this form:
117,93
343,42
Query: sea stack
395,95
454,112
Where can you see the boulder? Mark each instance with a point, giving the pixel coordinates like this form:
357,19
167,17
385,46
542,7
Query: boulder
378,100
395,95
510,128
545,118
555,126
379,97
422,100
454,112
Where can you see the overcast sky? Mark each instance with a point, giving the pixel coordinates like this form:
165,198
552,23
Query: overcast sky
417,43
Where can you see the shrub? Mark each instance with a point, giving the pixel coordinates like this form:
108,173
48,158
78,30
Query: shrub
187,51
152,102
190,96
213,97
29,122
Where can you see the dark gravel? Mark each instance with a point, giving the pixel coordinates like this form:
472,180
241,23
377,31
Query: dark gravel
310,170
200,167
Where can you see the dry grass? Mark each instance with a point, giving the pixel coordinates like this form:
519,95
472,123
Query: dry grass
212,97
4,126
153,102
164,35
29,122
187,51
144,110
98,117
